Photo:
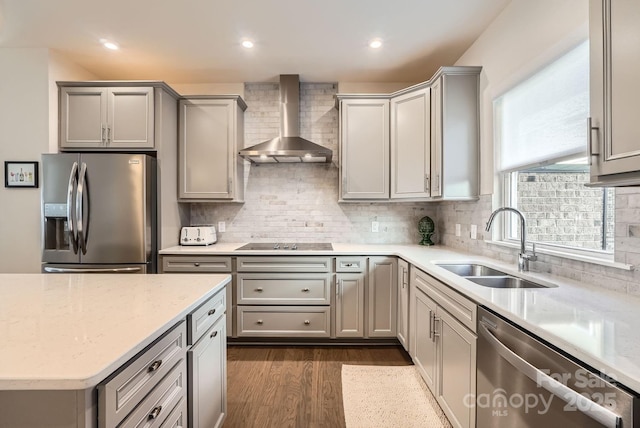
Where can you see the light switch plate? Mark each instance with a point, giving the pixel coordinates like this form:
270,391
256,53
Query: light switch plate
458,232
222,226
375,226
474,231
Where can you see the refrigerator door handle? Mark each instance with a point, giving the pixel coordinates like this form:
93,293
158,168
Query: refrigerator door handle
51,269
70,219
82,238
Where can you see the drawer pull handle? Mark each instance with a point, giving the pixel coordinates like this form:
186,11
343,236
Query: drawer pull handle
155,365
211,312
214,334
259,289
306,290
307,322
259,322
155,412
348,264
196,264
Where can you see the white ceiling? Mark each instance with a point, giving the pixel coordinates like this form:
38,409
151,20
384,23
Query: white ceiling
198,41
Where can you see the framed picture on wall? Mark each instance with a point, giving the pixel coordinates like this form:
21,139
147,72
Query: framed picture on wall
20,174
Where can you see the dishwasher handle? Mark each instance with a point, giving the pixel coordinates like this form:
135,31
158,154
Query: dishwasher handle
588,407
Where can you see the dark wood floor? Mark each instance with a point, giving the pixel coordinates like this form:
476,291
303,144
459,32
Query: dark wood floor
296,387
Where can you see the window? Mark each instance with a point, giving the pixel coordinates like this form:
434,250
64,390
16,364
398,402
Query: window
541,141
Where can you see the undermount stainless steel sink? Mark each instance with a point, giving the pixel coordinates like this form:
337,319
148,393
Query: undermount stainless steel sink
466,269
489,277
505,282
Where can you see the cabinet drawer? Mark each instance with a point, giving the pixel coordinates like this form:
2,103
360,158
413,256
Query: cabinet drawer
284,289
284,264
284,321
351,264
196,264
157,406
122,392
463,309
200,320
178,416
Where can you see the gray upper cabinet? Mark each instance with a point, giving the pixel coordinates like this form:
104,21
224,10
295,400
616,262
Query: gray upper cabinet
614,140
211,131
106,118
364,148
420,143
455,133
411,145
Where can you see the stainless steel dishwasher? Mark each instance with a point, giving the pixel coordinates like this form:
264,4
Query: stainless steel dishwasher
522,382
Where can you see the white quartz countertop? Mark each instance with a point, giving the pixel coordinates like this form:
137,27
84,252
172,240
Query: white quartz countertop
70,331
597,326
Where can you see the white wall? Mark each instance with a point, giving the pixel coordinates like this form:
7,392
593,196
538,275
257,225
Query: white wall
28,128
372,88
24,135
523,38
209,88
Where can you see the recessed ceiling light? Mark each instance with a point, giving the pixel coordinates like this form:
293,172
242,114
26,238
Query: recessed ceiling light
247,44
110,45
375,43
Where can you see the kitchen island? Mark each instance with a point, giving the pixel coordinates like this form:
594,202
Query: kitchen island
62,335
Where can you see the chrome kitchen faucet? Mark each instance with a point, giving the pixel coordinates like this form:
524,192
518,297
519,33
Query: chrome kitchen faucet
523,257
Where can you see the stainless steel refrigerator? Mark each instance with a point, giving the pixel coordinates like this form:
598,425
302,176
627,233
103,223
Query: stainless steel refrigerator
99,213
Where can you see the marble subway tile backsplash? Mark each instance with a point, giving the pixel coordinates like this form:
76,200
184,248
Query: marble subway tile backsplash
299,202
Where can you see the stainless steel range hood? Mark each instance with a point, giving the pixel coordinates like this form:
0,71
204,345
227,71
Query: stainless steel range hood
289,147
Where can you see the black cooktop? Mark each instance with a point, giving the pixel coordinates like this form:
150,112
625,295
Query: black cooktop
282,246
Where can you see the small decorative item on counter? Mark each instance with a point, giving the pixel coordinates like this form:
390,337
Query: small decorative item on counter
426,227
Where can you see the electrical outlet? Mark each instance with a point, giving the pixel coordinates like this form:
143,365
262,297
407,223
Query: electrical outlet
458,232
474,231
375,226
222,226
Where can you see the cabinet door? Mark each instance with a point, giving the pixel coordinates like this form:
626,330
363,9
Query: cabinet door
83,117
403,304
131,118
436,138
349,311
382,297
423,338
615,88
364,154
411,145
206,132
208,378
457,369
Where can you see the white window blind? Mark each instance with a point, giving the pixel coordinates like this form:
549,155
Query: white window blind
544,117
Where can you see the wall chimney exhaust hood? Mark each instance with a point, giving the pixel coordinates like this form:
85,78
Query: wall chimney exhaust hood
289,147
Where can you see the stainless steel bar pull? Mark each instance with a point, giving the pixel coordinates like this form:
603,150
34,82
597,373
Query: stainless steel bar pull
82,242
52,269
590,408
70,219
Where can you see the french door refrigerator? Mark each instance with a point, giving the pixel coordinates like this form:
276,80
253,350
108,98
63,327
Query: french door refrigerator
99,213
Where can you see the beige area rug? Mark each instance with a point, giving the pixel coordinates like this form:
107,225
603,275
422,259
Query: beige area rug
388,396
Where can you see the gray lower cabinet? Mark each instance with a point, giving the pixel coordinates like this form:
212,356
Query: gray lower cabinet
366,297
283,296
208,378
382,296
443,345
403,304
148,387
180,377
614,135
349,307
